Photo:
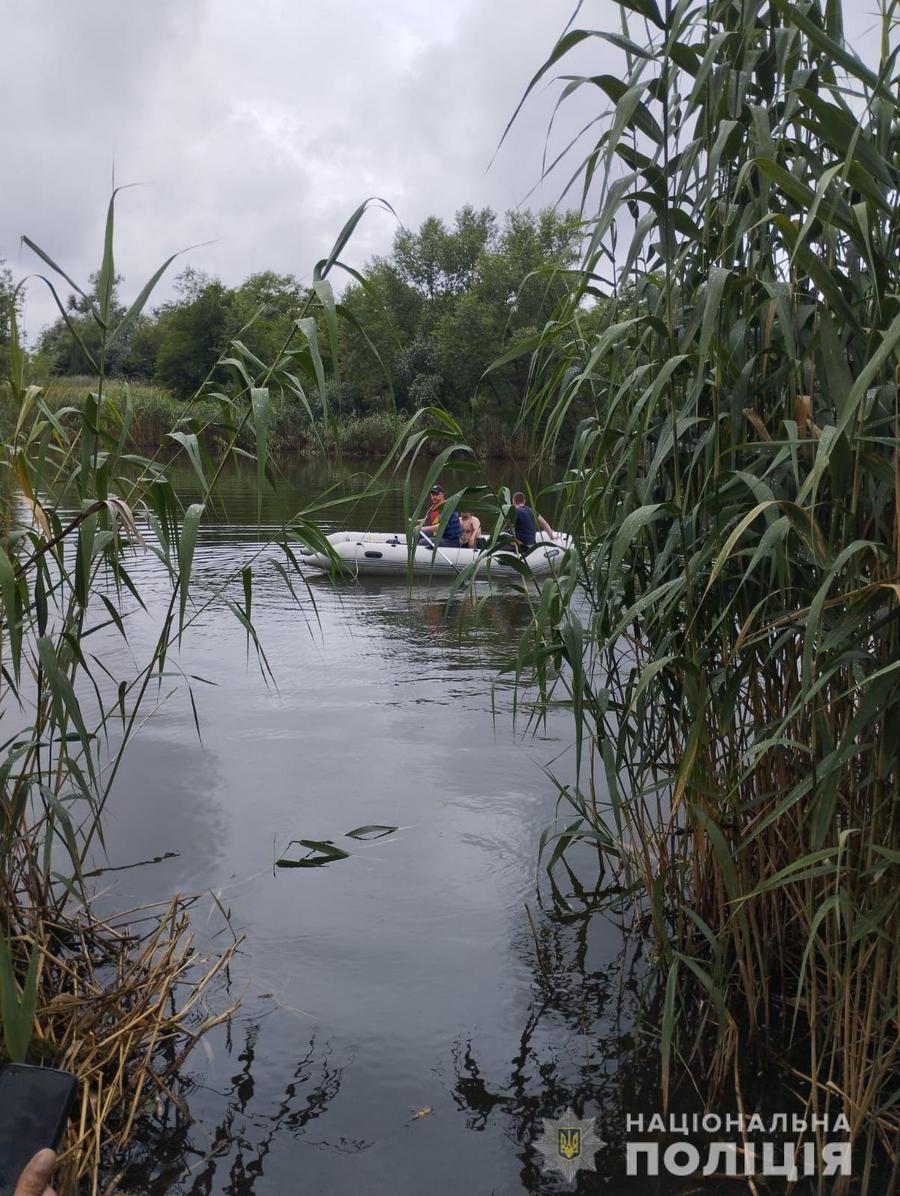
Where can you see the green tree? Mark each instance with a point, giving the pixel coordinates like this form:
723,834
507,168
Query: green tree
516,284
385,316
272,302
193,331
449,301
7,301
139,360
439,262
419,374
73,344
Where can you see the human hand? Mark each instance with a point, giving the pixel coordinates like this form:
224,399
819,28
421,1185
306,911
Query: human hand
35,1179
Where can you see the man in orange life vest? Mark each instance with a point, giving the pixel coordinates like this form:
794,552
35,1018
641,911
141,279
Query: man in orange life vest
429,525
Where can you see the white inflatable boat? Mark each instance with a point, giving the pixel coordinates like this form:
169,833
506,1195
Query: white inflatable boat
386,553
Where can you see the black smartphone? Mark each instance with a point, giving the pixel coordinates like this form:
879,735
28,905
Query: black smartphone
34,1108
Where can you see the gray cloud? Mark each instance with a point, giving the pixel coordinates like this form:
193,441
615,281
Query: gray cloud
261,126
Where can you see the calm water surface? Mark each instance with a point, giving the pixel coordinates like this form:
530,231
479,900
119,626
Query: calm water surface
400,979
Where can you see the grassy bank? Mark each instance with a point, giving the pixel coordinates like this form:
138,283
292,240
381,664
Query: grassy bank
154,413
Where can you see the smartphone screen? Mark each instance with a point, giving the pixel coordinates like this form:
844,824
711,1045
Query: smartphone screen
34,1107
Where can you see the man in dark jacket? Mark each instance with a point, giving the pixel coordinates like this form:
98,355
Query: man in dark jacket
527,524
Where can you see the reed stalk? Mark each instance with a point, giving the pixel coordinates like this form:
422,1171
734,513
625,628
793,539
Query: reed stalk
729,642
117,1000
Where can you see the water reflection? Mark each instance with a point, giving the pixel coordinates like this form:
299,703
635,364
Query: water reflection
250,1126
295,1132
574,1040
480,629
405,976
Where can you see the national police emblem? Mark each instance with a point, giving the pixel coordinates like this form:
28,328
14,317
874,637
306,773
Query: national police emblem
568,1144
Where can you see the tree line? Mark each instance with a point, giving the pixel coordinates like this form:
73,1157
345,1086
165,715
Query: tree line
421,326
8,301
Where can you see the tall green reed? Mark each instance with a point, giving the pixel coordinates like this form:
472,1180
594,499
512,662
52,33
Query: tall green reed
728,370
80,500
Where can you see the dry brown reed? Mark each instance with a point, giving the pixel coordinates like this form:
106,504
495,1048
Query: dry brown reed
120,1004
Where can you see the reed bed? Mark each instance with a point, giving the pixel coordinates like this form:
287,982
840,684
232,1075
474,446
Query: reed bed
121,1004
120,1000
729,644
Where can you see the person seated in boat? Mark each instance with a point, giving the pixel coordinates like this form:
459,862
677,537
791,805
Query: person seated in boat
471,530
430,524
527,524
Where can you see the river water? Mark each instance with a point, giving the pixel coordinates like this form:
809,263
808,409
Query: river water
404,978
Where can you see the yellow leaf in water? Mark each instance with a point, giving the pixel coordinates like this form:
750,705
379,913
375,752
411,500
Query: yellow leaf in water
422,1112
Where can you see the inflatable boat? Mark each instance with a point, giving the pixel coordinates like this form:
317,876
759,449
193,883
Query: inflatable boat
386,553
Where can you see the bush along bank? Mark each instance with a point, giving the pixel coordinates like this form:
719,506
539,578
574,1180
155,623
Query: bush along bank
149,416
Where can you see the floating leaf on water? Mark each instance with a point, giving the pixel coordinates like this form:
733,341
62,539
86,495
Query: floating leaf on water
371,832
321,851
419,1113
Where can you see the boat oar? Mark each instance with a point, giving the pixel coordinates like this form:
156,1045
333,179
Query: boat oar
435,548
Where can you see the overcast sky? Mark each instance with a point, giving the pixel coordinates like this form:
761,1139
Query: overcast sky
260,126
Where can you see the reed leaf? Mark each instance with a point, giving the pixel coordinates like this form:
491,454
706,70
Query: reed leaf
732,407
17,1003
